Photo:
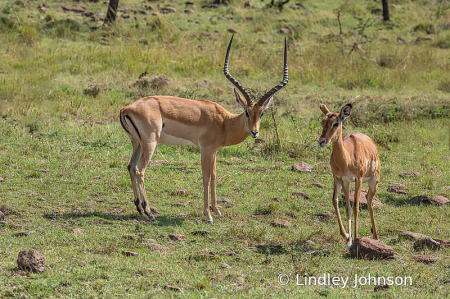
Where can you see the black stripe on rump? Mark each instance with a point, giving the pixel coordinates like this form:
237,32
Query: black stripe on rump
133,125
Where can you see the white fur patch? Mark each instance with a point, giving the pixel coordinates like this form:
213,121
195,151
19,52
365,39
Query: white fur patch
172,140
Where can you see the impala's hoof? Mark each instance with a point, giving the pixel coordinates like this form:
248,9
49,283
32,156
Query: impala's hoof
349,241
210,221
152,219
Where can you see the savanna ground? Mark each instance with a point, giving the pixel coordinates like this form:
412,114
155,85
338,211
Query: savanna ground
64,78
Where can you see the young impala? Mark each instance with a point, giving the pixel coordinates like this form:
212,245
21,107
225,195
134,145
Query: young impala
176,121
354,159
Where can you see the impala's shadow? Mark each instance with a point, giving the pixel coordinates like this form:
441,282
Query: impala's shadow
160,220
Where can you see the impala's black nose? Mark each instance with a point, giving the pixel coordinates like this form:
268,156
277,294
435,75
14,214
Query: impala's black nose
254,134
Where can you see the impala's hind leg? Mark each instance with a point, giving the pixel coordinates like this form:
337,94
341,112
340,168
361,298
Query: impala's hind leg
373,184
131,169
348,211
214,206
146,153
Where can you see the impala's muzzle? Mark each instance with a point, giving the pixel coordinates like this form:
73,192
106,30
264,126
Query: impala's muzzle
254,134
322,143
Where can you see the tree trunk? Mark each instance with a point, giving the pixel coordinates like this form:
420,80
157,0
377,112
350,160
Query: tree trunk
385,10
112,10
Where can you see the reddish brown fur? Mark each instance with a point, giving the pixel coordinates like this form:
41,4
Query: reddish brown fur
354,158
171,120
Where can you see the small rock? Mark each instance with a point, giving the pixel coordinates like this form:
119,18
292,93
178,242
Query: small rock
239,279
229,253
446,187
179,192
370,249
269,248
157,247
440,200
223,200
324,216
446,281
78,231
410,235
23,234
302,166
73,8
427,242
177,237
381,287
92,90
310,243
154,210
284,30
129,253
200,232
409,174
231,30
173,288
168,9
95,177
129,236
280,223
401,40
395,186
318,185
363,200
125,16
421,199
189,11
183,215
264,42
278,198
247,4
302,194
225,266
425,258
218,276
31,260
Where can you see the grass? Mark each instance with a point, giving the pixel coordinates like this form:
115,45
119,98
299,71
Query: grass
63,154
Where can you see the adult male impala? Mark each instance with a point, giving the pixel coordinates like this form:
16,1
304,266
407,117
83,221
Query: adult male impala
176,121
354,159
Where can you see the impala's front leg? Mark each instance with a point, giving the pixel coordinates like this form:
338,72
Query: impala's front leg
358,185
214,206
348,210
206,171
337,188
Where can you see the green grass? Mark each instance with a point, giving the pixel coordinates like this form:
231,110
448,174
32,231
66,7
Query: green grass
49,59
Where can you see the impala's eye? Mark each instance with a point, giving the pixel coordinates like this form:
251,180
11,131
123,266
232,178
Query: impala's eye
261,115
335,125
246,113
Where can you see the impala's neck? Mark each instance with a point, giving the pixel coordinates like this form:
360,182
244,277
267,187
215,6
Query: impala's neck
340,152
236,129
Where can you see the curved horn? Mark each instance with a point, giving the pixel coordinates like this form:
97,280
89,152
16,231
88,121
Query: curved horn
234,81
282,83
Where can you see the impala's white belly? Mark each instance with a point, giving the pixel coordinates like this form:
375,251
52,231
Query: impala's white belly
352,179
172,140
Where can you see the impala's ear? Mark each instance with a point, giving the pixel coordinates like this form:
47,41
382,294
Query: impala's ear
345,112
241,101
324,109
267,104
